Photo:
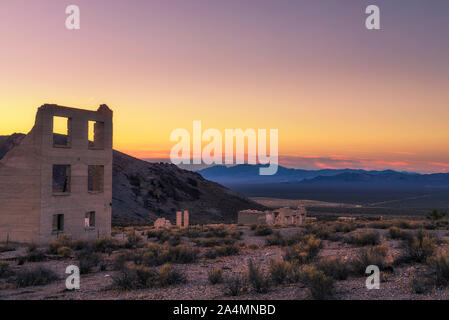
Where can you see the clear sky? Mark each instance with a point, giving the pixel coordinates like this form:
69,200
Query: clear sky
340,95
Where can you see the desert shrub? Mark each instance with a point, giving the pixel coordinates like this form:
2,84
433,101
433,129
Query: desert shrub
106,245
33,254
321,286
283,272
370,256
210,254
210,242
334,267
257,279
226,250
274,239
379,224
235,286
236,235
436,215
155,254
320,231
421,284
174,240
418,248
253,246
79,245
168,275
35,277
369,238
6,247
345,227
304,251
440,265
398,234
5,270
161,235
219,232
215,276
263,230
88,260
182,254
135,277
64,252
132,240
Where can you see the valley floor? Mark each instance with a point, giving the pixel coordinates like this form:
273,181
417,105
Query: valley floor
231,248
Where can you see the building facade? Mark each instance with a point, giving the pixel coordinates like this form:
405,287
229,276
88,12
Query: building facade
59,183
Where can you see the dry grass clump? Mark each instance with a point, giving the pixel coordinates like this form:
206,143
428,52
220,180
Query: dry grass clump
33,254
334,267
368,238
106,245
304,251
259,282
5,270
34,277
64,252
398,234
235,286
283,272
371,256
142,277
440,266
88,260
263,230
168,275
321,286
222,251
155,254
215,276
418,248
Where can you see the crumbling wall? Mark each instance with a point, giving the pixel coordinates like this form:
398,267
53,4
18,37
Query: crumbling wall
28,202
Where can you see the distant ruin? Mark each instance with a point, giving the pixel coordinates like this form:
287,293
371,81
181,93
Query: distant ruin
282,216
182,219
59,183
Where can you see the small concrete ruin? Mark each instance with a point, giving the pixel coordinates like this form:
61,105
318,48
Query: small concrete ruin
59,183
162,223
282,216
182,219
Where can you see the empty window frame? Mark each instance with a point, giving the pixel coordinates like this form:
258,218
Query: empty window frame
61,178
95,178
58,223
89,220
96,135
61,132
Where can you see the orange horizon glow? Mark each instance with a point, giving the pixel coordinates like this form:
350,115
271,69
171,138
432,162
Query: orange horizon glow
339,95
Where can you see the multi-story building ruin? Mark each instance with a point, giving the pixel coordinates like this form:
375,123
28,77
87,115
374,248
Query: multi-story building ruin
59,183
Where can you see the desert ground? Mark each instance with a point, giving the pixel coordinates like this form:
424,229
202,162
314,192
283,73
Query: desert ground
324,259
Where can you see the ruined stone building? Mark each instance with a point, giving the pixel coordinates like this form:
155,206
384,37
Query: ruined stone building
282,216
61,183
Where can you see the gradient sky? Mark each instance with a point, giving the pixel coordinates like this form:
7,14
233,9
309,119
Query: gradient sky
340,95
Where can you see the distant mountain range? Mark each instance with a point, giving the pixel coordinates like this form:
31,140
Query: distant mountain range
341,185
250,174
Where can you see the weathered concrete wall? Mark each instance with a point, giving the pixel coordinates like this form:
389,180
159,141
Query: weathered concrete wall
245,217
27,201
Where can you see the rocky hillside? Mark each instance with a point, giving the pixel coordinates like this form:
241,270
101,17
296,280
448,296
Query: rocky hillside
144,191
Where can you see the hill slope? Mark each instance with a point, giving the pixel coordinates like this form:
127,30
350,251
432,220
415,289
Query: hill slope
144,191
